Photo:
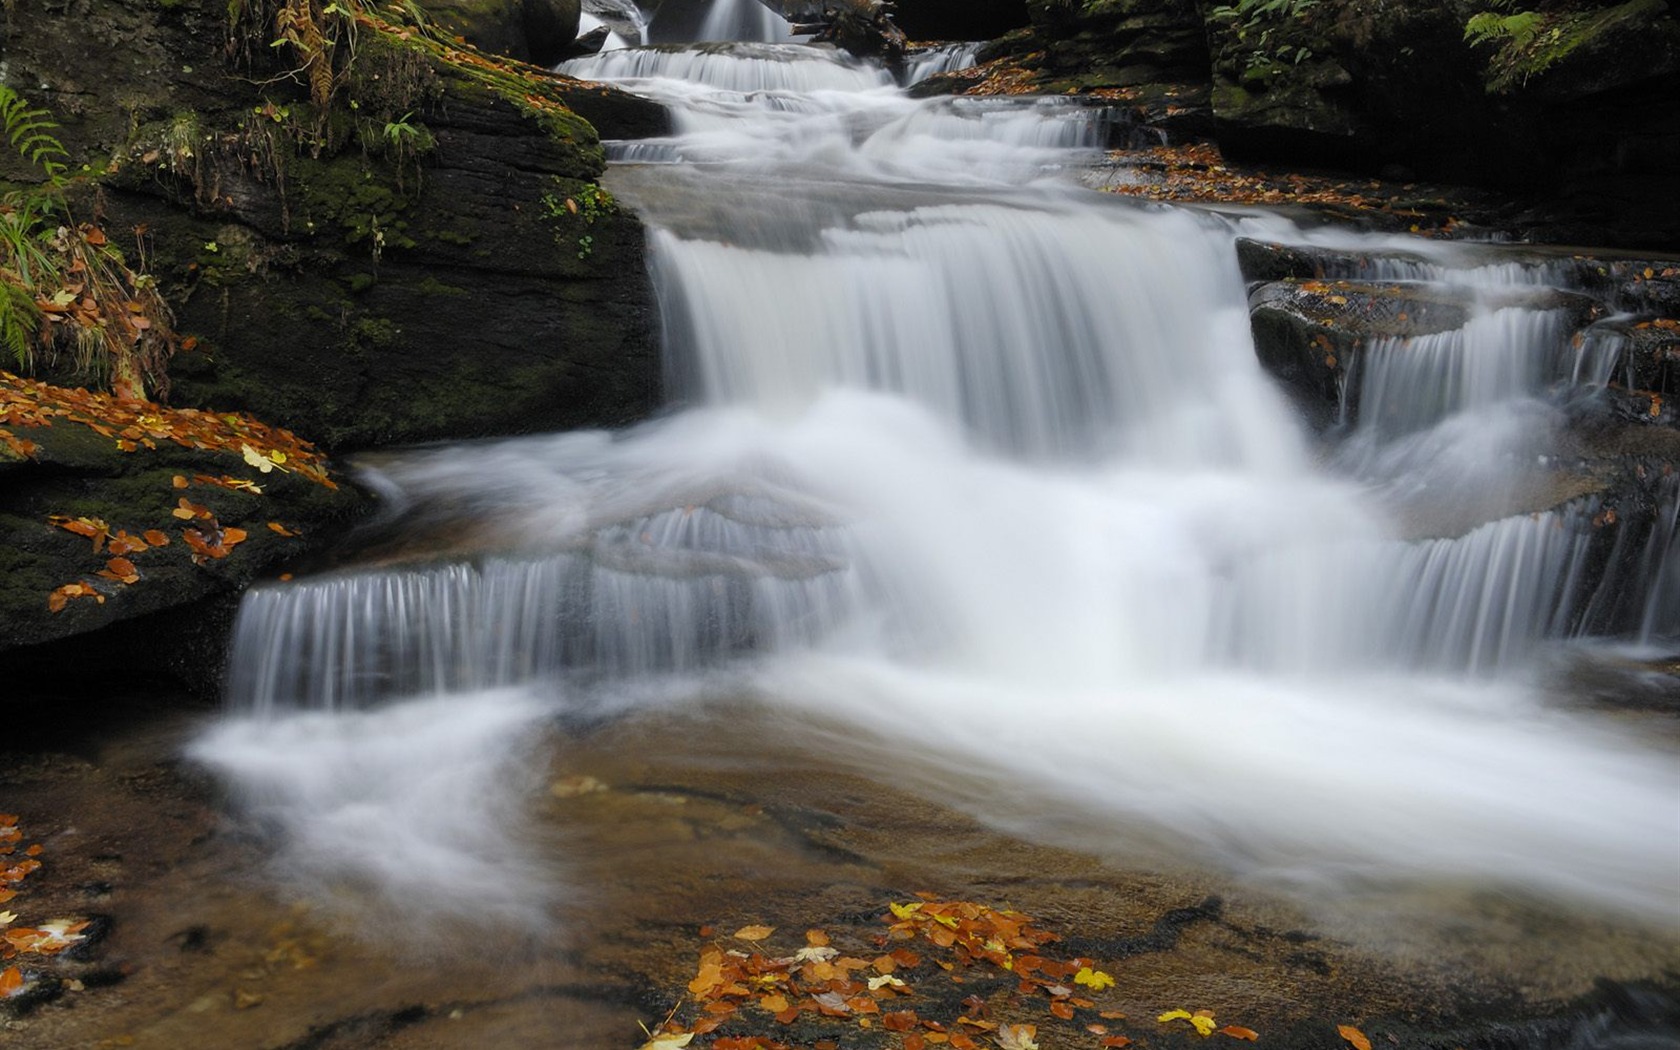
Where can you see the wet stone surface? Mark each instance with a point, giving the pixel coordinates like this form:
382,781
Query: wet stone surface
660,838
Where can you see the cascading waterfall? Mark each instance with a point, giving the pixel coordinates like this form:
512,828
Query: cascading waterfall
962,445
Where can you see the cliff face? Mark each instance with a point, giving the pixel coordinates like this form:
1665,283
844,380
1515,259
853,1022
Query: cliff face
425,256
370,236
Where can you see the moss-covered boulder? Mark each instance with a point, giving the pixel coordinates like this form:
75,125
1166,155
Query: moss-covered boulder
423,254
114,511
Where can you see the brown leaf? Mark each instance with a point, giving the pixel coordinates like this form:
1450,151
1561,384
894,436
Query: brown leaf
11,981
754,933
156,538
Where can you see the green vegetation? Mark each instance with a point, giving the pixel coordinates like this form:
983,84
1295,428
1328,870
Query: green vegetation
1528,43
589,204
63,284
1272,34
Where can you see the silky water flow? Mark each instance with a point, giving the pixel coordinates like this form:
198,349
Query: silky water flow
957,443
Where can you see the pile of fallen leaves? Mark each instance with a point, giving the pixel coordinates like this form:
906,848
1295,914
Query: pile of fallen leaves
44,940
897,987
1199,173
133,425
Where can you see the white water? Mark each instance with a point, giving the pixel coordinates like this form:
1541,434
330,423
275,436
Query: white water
967,448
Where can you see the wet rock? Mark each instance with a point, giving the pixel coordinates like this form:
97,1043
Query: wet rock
1308,333
1264,261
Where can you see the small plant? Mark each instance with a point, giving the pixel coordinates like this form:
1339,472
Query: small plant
63,284
400,133
589,203
1491,27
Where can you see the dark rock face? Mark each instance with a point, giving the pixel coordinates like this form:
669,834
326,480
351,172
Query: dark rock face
959,19
536,31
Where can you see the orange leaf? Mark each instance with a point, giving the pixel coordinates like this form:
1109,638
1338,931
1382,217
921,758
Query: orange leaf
1062,1010
275,526
179,481
1238,1032
1116,1041
899,1020
745,933
1354,1037
156,538
232,536
11,981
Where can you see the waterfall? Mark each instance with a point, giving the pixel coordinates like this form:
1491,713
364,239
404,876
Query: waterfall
957,444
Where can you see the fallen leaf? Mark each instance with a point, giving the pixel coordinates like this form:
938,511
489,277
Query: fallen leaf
1238,1032
754,933
257,459
1354,1036
1095,978
11,981
668,1041
1017,1037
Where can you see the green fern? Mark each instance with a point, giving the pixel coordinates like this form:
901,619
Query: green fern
20,319
30,133
1492,27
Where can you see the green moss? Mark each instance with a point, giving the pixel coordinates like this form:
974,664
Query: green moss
361,282
375,332
435,287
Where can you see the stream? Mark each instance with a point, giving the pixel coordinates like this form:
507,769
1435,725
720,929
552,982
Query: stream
972,494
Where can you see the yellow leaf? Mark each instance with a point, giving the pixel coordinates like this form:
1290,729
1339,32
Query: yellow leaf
754,933
877,983
1095,978
1205,1024
668,1041
1174,1015
904,911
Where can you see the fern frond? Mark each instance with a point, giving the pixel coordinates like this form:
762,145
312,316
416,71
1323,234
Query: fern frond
20,320
30,133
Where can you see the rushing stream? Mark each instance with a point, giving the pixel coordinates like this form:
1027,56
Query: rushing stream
972,482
